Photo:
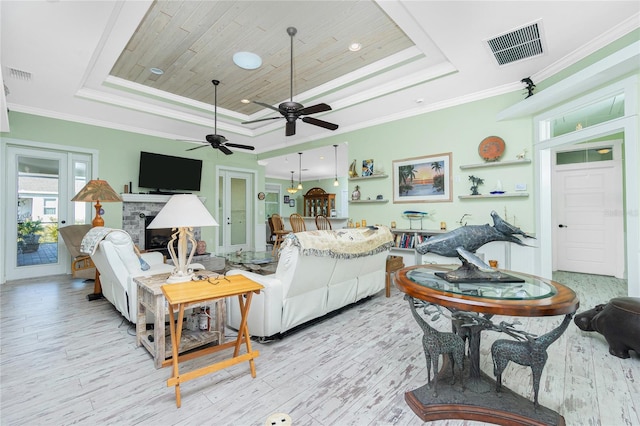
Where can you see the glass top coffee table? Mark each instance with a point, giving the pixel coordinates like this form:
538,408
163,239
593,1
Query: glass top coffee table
250,257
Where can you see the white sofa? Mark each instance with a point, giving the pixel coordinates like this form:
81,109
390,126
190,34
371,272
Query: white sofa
317,273
112,251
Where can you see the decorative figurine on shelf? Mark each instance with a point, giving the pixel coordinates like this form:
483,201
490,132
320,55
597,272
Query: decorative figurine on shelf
476,181
352,170
463,242
522,154
530,86
355,195
414,215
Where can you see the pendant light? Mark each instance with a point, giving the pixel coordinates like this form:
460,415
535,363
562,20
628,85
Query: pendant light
292,189
335,157
300,172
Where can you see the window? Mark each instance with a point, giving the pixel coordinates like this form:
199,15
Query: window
271,200
591,155
50,206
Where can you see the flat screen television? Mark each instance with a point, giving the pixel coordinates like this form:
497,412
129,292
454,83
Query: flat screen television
168,173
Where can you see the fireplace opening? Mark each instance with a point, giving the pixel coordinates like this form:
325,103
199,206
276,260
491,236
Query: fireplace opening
157,239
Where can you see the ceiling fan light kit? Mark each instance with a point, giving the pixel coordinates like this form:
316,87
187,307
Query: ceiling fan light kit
292,189
291,110
300,172
215,140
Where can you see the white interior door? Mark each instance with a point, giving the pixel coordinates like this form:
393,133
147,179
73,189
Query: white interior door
235,210
37,183
589,235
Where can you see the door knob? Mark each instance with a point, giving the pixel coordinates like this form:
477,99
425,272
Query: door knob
562,226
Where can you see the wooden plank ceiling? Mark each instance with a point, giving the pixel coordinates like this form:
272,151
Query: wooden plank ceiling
194,42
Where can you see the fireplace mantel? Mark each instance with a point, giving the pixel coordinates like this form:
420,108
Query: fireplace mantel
149,198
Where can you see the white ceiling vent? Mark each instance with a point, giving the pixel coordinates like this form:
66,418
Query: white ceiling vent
521,43
19,74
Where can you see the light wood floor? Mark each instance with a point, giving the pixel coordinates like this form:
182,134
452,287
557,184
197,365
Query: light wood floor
65,360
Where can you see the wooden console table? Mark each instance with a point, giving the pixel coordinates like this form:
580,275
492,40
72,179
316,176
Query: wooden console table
478,302
182,295
157,341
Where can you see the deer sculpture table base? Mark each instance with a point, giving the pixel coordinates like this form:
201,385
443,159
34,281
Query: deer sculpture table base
477,397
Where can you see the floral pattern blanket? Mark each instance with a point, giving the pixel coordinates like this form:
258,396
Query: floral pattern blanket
92,238
342,243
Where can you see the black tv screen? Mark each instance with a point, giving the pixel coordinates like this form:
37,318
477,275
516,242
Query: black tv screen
169,173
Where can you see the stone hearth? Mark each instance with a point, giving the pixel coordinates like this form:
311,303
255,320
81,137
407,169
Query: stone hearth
136,207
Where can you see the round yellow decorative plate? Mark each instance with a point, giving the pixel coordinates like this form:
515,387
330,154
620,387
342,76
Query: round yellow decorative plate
491,148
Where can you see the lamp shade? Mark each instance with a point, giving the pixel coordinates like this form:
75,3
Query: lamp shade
183,210
97,190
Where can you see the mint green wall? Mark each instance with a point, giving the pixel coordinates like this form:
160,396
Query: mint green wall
458,130
119,154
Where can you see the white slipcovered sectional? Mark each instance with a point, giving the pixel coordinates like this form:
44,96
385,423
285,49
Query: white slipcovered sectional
317,273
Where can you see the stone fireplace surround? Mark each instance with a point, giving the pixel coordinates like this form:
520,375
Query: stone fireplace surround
135,207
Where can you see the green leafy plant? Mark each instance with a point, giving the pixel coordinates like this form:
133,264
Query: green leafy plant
29,232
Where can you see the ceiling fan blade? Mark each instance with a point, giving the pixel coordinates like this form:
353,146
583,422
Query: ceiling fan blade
260,119
266,105
237,145
290,130
225,150
197,147
320,123
314,108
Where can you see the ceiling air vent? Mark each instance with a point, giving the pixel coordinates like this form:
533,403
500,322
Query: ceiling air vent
19,74
522,43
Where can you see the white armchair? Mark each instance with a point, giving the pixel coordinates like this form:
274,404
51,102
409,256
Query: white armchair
113,254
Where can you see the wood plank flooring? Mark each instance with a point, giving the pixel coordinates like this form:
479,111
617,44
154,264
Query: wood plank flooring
64,360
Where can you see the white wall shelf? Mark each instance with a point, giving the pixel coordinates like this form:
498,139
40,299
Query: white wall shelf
368,177
505,195
494,164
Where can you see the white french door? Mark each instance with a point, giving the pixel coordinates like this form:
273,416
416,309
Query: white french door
235,210
37,183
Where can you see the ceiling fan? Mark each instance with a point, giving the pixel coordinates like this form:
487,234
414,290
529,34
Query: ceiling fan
291,111
215,140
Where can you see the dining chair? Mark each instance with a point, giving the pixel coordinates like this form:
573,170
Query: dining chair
323,223
297,223
279,232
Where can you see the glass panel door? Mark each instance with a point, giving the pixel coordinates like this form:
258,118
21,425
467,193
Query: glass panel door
38,185
235,210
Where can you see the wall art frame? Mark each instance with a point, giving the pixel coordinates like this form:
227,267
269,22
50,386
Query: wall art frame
423,179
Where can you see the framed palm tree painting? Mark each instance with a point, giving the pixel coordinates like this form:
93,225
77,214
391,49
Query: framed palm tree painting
422,179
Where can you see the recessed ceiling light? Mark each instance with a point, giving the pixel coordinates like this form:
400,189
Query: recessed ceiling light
245,101
156,71
247,60
354,47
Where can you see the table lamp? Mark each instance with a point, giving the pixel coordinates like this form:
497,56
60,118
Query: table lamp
182,213
97,190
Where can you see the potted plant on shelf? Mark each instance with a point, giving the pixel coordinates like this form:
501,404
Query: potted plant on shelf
29,233
475,181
